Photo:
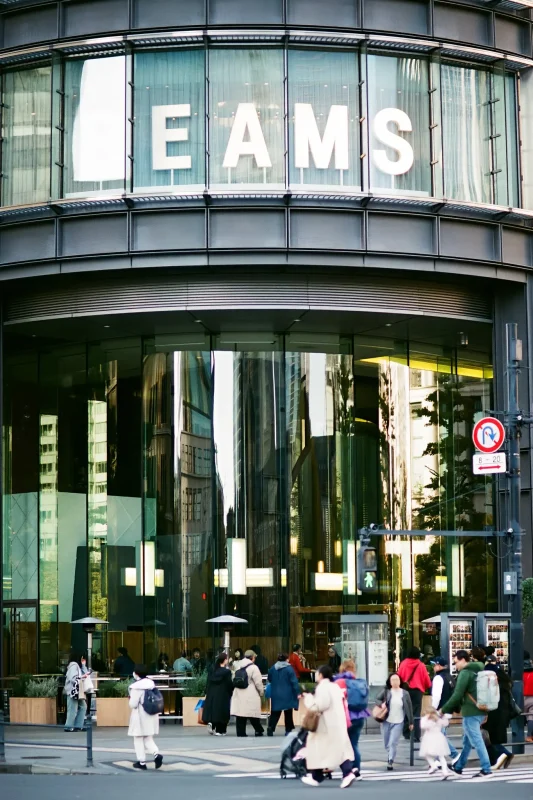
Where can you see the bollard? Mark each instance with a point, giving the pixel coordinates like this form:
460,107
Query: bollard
2,738
89,723
412,748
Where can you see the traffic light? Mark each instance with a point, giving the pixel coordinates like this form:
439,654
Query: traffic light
367,569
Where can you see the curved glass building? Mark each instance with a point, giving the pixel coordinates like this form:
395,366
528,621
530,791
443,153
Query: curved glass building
256,261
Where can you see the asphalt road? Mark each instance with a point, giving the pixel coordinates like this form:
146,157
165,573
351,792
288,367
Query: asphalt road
152,784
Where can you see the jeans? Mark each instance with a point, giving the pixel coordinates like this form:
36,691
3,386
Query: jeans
354,732
75,712
143,745
274,719
472,738
416,699
240,723
453,751
346,768
391,736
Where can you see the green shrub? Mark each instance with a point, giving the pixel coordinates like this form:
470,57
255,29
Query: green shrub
114,688
44,687
194,687
20,686
527,598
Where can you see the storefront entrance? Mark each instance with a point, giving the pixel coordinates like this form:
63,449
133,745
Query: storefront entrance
20,638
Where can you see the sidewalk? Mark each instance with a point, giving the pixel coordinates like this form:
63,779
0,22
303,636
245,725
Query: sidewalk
186,749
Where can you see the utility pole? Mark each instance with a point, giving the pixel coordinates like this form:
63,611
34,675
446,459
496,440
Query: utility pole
514,425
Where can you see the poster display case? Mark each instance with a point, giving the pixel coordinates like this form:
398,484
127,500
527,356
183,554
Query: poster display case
458,632
495,631
365,638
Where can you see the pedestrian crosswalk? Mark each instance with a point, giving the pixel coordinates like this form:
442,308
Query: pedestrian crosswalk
512,775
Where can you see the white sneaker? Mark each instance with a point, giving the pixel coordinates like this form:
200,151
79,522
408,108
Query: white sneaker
347,781
210,729
500,761
219,734
456,759
310,781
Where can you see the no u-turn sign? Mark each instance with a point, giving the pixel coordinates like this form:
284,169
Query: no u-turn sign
488,434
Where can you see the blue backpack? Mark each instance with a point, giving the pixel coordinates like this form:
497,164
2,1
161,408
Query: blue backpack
356,694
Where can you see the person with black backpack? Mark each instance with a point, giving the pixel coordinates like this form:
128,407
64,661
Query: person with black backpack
356,690
247,693
146,703
442,687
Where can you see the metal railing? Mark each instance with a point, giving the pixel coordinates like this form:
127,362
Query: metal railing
3,741
412,748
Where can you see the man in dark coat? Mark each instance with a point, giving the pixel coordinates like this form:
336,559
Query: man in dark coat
285,694
216,711
124,664
498,719
260,660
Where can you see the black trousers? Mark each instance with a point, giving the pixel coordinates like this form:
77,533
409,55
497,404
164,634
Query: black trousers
274,719
220,727
241,725
318,774
416,699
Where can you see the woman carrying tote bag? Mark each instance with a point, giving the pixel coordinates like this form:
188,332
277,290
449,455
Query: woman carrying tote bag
395,705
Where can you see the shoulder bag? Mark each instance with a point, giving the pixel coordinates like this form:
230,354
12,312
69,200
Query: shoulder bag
408,682
310,720
380,713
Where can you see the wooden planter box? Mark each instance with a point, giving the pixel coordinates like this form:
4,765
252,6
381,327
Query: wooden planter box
190,716
112,712
33,710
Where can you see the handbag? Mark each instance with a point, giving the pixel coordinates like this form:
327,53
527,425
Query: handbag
380,713
408,682
514,709
268,691
310,720
75,689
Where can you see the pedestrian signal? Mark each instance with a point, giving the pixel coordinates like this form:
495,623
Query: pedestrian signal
367,569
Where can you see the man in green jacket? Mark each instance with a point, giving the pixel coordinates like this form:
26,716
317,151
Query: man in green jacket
464,694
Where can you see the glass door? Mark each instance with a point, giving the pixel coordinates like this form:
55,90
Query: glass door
20,638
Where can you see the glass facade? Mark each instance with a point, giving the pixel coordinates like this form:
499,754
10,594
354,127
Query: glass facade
262,118
158,482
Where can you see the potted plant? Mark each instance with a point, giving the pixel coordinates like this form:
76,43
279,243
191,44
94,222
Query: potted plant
192,691
112,704
34,701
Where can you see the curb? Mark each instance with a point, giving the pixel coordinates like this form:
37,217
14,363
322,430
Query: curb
41,769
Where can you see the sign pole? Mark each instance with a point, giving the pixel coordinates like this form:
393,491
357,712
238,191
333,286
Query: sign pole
514,358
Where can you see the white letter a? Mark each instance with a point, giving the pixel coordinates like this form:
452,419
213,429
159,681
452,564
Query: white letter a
246,119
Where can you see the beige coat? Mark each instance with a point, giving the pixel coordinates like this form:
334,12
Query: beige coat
141,723
330,745
247,702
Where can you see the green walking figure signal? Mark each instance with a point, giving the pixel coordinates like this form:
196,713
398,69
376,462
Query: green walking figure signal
367,568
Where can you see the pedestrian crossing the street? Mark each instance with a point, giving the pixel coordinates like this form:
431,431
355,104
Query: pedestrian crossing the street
512,775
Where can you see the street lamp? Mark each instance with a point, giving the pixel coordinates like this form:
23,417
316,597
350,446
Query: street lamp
89,626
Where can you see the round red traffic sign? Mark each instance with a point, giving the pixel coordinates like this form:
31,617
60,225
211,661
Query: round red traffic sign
488,434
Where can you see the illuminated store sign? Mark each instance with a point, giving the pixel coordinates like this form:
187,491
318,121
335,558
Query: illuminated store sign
247,139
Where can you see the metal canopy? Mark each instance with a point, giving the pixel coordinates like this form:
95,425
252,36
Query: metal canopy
89,621
227,618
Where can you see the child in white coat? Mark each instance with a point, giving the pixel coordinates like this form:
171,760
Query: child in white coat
434,746
143,726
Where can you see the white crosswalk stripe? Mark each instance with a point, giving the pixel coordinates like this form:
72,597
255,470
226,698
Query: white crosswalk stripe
513,775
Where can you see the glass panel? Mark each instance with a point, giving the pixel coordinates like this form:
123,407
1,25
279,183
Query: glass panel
26,131
526,136
247,442
466,132
398,106
169,104
320,427
114,493
20,640
177,548
246,118
511,140
324,119
95,126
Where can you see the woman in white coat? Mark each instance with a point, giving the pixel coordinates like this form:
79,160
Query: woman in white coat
330,745
246,703
143,726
